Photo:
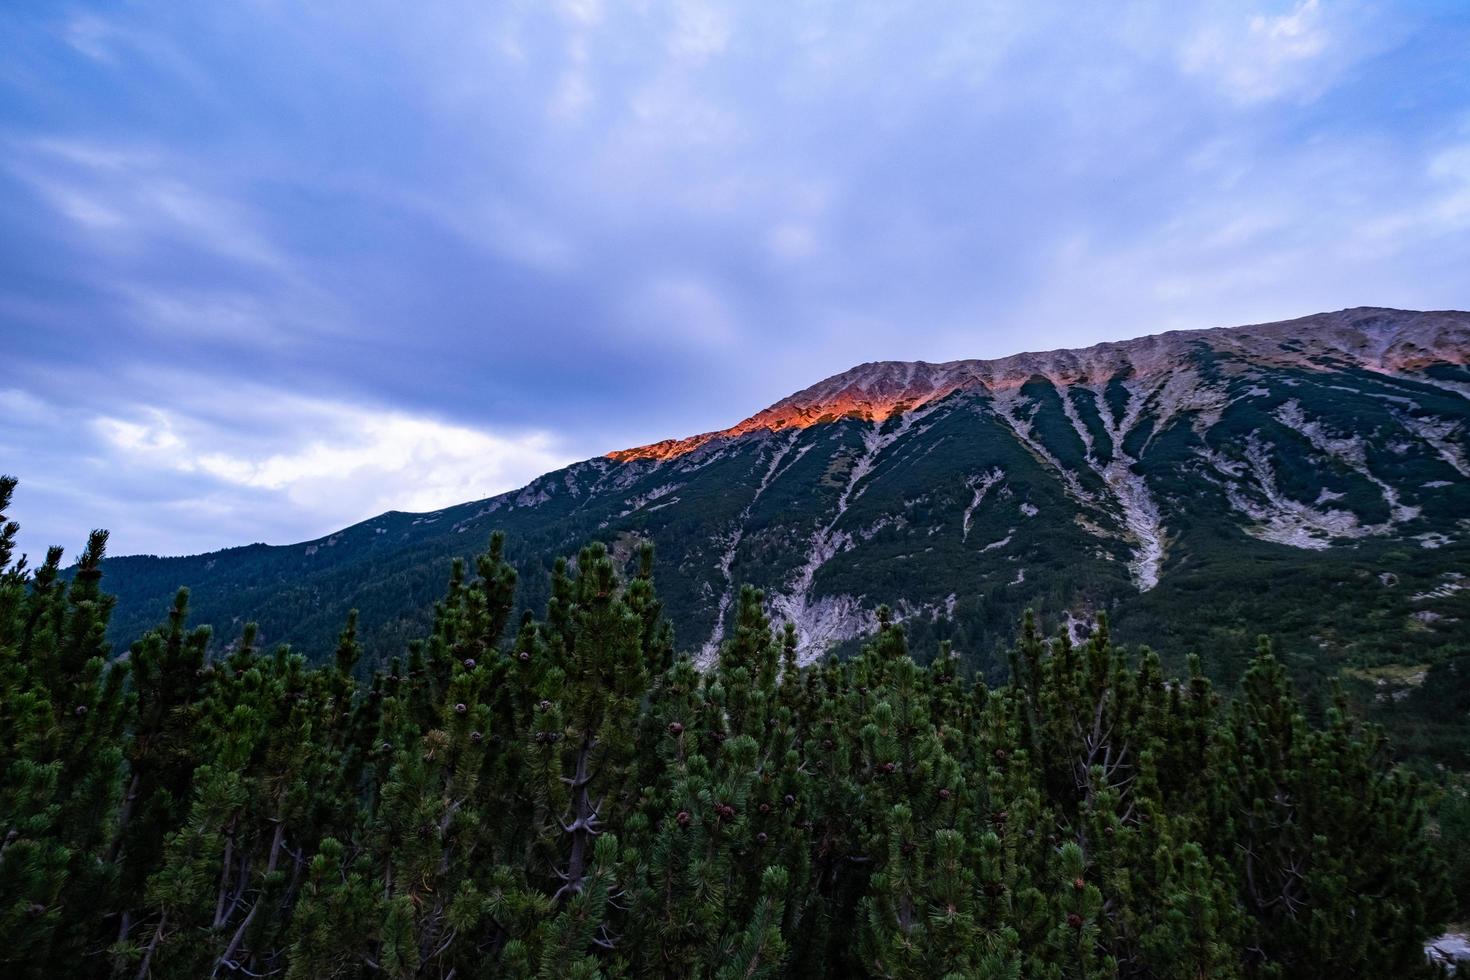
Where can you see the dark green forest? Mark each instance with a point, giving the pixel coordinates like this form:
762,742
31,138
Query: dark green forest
558,794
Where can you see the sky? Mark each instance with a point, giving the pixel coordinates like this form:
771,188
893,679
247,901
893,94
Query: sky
269,268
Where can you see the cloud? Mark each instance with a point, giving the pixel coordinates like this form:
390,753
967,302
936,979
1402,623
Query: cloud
1256,57
21,407
178,252
793,241
135,196
269,251
1450,169
574,94
337,463
290,469
425,464
90,36
701,31
583,12
151,438
112,43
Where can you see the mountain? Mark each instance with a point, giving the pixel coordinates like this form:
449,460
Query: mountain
1308,478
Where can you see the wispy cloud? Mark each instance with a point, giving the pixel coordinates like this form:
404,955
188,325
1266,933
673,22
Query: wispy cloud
134,198
1298,52
701,31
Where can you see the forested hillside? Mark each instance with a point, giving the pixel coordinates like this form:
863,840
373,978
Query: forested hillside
558,794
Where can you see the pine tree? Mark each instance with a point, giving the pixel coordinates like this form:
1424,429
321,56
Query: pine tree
564,797
169,680
1333,863
61,725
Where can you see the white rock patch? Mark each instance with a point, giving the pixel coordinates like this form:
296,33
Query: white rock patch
980,485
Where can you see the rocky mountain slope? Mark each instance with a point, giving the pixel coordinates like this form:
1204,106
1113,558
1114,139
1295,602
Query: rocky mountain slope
1310,478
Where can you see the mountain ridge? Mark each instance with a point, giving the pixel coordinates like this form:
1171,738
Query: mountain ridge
1378,339
834,395
1310,477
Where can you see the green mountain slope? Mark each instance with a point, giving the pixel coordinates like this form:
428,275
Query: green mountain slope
1307,478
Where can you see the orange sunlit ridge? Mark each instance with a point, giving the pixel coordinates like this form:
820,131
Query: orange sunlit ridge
775,419
789,415
875,392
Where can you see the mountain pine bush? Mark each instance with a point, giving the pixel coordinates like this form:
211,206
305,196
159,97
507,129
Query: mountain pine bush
563,796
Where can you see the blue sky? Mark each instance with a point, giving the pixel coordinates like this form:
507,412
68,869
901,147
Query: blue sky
268,268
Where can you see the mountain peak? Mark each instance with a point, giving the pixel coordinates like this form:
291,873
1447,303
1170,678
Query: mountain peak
1374,338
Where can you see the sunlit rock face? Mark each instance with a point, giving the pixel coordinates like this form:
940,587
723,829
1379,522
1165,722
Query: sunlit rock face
1199,486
